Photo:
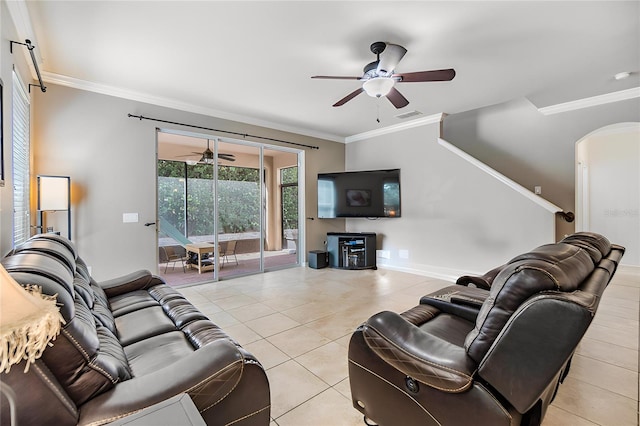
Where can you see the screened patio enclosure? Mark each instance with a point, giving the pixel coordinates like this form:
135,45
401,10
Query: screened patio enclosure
231,212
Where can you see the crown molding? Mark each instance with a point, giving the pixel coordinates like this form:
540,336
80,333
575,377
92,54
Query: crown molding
104,89
21,19
430,119
607,98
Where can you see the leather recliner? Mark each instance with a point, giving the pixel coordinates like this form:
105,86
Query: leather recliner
126,344
492,355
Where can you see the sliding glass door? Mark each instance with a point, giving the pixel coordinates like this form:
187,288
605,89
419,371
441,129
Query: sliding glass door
229,211
186,220
281,209
240,217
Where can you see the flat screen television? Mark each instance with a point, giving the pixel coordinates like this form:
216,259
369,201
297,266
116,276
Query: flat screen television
370,193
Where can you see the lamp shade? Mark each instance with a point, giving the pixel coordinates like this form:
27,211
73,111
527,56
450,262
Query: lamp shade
29,320
378,86
53,193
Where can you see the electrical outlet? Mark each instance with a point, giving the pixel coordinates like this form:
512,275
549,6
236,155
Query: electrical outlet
383,254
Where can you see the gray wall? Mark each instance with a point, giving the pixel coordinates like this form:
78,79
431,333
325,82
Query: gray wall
112,163
532,149
456,218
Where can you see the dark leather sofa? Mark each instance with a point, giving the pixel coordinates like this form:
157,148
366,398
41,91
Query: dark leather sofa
490,354
126,344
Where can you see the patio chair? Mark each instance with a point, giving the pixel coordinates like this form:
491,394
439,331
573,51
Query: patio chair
172,254
229,250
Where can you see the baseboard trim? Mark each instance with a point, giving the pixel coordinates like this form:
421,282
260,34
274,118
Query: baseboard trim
430,271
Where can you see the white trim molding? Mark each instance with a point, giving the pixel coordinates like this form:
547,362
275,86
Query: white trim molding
607,98
446,274
118,92
502,178
430,119
22,20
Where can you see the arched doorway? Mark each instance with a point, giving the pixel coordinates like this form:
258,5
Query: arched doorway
608,186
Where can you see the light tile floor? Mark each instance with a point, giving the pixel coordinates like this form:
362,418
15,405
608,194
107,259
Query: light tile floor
298,322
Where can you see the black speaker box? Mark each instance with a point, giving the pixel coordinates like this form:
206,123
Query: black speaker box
318,259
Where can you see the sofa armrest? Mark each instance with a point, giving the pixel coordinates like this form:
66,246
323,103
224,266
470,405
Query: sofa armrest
418,354
461,301
138,280
480,282
208,375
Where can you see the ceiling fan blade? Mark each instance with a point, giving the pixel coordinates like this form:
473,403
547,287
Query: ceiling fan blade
349,97
389,58
334,77
397,99
435,75
228,157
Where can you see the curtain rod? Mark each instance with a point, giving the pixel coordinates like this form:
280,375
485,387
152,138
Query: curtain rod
30,46
223,131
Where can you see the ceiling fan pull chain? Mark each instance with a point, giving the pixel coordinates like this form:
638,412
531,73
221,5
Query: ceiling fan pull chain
378,110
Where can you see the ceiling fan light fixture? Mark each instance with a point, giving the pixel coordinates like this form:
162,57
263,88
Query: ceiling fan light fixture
378,86
207,156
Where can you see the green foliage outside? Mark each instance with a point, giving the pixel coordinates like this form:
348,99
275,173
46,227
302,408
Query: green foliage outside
238,198
289,179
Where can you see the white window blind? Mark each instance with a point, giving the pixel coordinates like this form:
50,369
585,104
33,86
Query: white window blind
20,161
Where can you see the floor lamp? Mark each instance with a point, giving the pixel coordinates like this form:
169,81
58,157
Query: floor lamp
29,320
54,194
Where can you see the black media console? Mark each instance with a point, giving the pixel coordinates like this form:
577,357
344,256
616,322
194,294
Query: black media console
352,250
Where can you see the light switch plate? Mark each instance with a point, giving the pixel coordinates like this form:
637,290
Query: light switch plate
129,217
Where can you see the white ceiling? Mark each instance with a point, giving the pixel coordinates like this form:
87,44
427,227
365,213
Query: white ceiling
252,61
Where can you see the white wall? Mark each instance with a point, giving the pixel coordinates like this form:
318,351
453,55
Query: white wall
455,217
612,159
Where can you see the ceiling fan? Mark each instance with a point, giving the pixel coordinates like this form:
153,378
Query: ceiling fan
207,156
379,77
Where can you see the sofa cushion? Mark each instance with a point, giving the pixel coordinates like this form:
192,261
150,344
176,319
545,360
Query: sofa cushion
59,239
82,269
83,289
76,359
597,246
154,353
111,356
142,324
203,332
38,264
129,302
182,312
51,248
163,293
